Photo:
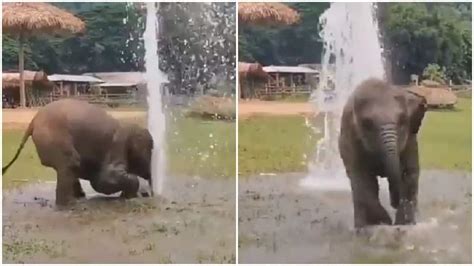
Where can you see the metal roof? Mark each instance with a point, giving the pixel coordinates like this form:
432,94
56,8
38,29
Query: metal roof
289,69
74,78
117,84
134,78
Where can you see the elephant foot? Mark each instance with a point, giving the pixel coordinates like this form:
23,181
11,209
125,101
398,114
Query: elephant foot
405,213
378,216
65,204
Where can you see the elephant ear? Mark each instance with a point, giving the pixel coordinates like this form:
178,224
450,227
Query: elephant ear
118,152
139,149
416,106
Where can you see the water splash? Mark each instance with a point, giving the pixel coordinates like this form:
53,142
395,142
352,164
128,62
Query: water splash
156,116
352,53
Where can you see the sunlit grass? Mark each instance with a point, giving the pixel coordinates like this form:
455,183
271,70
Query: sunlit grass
282,143
195,148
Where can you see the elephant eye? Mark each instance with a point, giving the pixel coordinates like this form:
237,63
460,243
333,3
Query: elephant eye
402,118
367,123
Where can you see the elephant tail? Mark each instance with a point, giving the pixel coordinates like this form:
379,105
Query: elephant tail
27,134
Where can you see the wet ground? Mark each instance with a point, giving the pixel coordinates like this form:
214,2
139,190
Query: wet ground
282,222
193,223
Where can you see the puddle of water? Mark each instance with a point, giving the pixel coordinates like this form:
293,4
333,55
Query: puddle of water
321,179
194,222
281,221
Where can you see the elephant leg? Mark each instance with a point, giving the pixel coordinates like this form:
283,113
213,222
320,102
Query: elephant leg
114,180
367,207
78,192
409,191
394,194
376,213
66,159
65,186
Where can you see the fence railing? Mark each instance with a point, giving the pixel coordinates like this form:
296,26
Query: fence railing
109,99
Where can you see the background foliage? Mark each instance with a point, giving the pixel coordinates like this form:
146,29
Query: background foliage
197,43
414,35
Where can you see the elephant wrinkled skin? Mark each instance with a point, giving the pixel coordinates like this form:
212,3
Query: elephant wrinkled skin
378,137
80,140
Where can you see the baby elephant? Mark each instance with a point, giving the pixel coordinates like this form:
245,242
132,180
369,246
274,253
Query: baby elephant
80,140
379,128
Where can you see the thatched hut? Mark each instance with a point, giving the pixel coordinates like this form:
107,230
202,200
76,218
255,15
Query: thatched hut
267,13
251,76
23,20
36,82
436,97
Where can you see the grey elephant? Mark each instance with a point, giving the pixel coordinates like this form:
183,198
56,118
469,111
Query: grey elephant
378,137
80,140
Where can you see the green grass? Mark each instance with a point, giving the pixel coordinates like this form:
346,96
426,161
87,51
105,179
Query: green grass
202,148
279,144
297,98
446,137
274,144
189,152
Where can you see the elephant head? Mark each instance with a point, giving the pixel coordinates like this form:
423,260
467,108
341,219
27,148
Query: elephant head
384,119
130,155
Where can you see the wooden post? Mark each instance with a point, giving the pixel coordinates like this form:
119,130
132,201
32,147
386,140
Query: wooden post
61,88
277,82
21,61
75,89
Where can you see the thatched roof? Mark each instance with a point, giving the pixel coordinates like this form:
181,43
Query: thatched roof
34,18
37,78
439,96
267,13
432,84
251,69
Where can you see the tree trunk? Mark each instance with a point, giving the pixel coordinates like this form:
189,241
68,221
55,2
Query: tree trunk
21,61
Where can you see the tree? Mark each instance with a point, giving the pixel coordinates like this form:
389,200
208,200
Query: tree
414,35
197,43
423,33
435,72
288,45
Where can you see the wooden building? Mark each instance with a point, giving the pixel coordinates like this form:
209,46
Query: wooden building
73,86
122,87
37,84
289,80
252,79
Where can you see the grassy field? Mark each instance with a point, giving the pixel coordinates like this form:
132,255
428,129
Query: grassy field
282,143
298,98
196,148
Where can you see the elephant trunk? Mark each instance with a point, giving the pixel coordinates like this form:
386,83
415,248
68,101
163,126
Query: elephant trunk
391,162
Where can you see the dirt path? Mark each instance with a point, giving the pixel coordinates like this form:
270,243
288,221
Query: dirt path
252,107
281,221
195,223
19,118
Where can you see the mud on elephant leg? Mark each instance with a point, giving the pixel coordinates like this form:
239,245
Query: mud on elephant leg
65,186
408,203
367,207
409,186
